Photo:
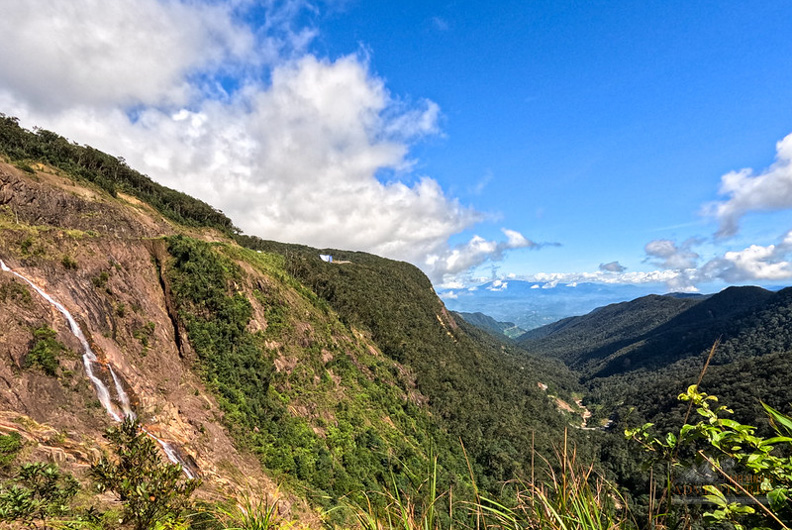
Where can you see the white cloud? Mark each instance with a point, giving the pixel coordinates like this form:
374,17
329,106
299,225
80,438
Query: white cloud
748,192
668,255
295,158
443,266
92,52
754,263
553,279
295,161
498,286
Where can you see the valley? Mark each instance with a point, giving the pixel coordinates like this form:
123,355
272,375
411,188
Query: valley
269,372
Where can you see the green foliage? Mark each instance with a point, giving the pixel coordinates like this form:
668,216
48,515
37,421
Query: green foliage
217,325
572,498
45,351
715,441
10,445
251,514
38,492
151,491
479,389
144,334
25,167
16,293
26,244
100,281
109,173
368,427
69,263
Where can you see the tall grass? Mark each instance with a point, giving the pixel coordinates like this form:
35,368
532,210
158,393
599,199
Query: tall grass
252,514
569,496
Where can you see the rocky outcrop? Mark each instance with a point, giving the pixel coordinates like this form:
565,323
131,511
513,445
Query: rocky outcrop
100,257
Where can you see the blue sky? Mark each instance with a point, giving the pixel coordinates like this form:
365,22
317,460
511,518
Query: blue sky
530,140
598,125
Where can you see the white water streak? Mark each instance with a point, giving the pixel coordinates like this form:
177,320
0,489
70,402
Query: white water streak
173,456
89,357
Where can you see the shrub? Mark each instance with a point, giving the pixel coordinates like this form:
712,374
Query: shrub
45,351
69,263
100,281
715,440
151,491
10,445
16,292
38,492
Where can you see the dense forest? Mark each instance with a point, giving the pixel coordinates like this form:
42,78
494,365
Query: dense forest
656,345
353,386
484,390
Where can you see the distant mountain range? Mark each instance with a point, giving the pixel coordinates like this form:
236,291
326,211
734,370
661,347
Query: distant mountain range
656,346
487,323
531,305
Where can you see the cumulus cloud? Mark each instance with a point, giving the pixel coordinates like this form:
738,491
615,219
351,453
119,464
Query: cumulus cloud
668,255
291,153
748,192
613,266
679,261
91,52
295,161
754,263
442,266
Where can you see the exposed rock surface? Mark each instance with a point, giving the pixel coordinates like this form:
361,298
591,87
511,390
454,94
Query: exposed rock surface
99,257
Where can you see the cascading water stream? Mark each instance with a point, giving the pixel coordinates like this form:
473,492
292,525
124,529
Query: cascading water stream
102,391
89,357
172,455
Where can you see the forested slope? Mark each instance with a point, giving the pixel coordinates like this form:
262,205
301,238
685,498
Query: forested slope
485,391
339,378
640,354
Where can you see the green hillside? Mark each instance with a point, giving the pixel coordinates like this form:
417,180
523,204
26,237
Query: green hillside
343,379
483,391
487,323
655,345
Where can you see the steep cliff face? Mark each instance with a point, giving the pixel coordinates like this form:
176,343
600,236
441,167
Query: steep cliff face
254,367
316,401
99,257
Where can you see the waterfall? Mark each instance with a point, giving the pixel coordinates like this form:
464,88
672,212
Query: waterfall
172,455
89,357
102,391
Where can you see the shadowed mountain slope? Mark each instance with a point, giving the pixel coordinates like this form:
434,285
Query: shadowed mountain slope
656,345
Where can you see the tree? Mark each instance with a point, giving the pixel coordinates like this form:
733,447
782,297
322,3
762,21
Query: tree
149,489
38,491
760,467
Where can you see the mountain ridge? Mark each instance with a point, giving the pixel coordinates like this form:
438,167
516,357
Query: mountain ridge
341,378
